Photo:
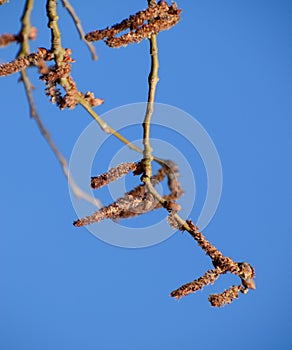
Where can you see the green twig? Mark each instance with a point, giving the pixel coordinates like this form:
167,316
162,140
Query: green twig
25,29
56,44
152,81
109,130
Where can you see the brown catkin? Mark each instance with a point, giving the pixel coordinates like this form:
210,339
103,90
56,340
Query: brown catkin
158,17
226,297
208,278
112,175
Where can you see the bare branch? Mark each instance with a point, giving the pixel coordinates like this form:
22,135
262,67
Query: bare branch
79,28
64,165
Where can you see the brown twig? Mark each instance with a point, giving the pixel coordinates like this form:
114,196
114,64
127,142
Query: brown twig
79,28
78,193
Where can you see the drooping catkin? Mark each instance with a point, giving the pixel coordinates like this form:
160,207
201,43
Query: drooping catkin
112,175
142,25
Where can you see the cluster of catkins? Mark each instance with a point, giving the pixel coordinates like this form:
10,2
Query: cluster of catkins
158,17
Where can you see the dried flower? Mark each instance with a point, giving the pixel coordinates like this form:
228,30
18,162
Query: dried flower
143,32
112,175
226,297
158,17
208,278
21,63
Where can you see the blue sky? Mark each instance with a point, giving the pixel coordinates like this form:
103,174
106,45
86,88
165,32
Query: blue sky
227,64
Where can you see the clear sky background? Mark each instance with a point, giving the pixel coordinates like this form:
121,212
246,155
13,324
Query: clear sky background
226,63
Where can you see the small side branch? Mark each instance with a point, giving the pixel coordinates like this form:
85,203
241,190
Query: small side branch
64,165
109,130
79,28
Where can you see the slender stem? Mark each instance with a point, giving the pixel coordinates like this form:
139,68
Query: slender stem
63,162
79,28
57,48
152,81
109,130
25,28
55,31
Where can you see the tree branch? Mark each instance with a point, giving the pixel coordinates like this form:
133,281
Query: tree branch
79,28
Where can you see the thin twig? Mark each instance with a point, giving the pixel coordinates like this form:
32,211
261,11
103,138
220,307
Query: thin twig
25,28
63,162
152,81
52,15
109,130
24,51
79,28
